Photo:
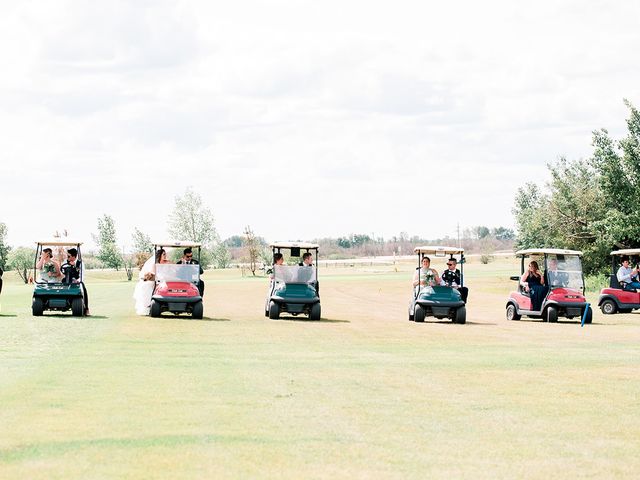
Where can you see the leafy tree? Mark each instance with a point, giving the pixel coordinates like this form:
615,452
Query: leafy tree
141,242
192,220
4,248
221,256
235,241
503,233
481,232
108,251
21,260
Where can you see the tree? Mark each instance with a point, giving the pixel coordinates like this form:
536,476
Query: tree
21,260
108,251
4,248
253,251
221,256
481,232
193,221
141,242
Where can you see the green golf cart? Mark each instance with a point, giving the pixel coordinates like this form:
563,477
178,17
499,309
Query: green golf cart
58,290
294,289
439,301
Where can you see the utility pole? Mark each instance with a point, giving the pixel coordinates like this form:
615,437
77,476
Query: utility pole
458,228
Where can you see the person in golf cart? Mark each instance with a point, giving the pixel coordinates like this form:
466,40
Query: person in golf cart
628,277
533,282
73,270
451,278
48,268
425,275
187,259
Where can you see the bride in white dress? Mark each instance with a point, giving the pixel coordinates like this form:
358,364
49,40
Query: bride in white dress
147,282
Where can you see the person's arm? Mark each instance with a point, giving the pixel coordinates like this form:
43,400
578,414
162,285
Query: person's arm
523,281
623,275
41,261
436,277
541,278
416,278
57,272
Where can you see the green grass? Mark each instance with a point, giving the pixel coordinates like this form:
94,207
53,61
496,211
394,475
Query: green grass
363,393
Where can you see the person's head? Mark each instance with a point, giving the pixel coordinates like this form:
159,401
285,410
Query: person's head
452,263
161,255
47,252
625,262
533,266
72,254
307,258
553,264
278,259
187,253
426,261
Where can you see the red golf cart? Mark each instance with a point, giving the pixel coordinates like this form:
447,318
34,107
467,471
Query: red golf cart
565,286
615,299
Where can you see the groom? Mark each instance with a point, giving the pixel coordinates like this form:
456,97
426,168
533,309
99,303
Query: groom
187,259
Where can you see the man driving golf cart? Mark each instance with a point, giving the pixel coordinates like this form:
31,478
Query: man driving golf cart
623,293
436,297
59,287
293,289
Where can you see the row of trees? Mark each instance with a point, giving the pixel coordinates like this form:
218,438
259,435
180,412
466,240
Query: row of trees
590,204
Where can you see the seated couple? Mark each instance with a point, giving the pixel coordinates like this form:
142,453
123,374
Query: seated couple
146,278
629,278
427,276
71,271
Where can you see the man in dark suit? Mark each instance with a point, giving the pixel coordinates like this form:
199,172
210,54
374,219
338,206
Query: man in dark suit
73,271
187,259
451,278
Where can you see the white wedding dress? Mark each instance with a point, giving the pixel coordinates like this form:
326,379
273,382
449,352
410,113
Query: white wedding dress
144,288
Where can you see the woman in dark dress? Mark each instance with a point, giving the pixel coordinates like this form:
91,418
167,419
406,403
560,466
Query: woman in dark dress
533,282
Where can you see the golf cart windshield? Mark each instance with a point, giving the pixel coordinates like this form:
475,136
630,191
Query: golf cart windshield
294,274
564,271
177,273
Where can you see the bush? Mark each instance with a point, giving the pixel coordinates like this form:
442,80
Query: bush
485,258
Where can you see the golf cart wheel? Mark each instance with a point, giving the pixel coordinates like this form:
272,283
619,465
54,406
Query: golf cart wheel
274,311
155,309
37,307
314,314
197,311
551,314
512,313
77,307
589,316
609,307
419,313
461,316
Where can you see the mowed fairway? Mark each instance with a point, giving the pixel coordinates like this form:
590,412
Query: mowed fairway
364,393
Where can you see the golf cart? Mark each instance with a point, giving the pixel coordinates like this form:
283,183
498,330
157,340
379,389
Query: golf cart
439,301
176,285
58,293
615,299
293,289
565,286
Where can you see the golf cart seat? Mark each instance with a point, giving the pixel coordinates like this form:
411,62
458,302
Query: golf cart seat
614,283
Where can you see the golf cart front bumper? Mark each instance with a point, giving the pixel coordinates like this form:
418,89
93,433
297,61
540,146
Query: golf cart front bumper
176,304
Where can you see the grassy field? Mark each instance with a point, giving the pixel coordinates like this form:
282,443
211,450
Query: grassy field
363,393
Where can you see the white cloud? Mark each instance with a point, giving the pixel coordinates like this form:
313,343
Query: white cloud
302,119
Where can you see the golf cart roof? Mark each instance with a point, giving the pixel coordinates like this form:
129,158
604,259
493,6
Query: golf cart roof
627,251
435,250
59,243
547,251
174,243
294,245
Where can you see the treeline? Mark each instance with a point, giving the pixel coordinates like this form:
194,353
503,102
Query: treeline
589,204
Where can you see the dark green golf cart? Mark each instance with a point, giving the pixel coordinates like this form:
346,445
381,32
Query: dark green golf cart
439,301
294,289
56,289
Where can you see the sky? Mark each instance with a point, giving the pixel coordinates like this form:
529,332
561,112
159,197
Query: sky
301,119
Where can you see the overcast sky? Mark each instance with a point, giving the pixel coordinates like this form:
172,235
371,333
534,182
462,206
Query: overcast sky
302,119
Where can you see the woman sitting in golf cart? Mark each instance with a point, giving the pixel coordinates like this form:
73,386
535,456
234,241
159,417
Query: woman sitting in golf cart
533,282
146,283
48,268
425,275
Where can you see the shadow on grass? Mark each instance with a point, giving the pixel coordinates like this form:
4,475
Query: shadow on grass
449,322
8,315
304,319
191,319
69,316
562,322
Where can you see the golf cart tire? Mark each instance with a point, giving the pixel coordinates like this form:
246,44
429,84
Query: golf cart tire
315,312
589,316
461,316
154,311
419,314
274,310
198,311
37,307
77,307
609,307
551,314
512,312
